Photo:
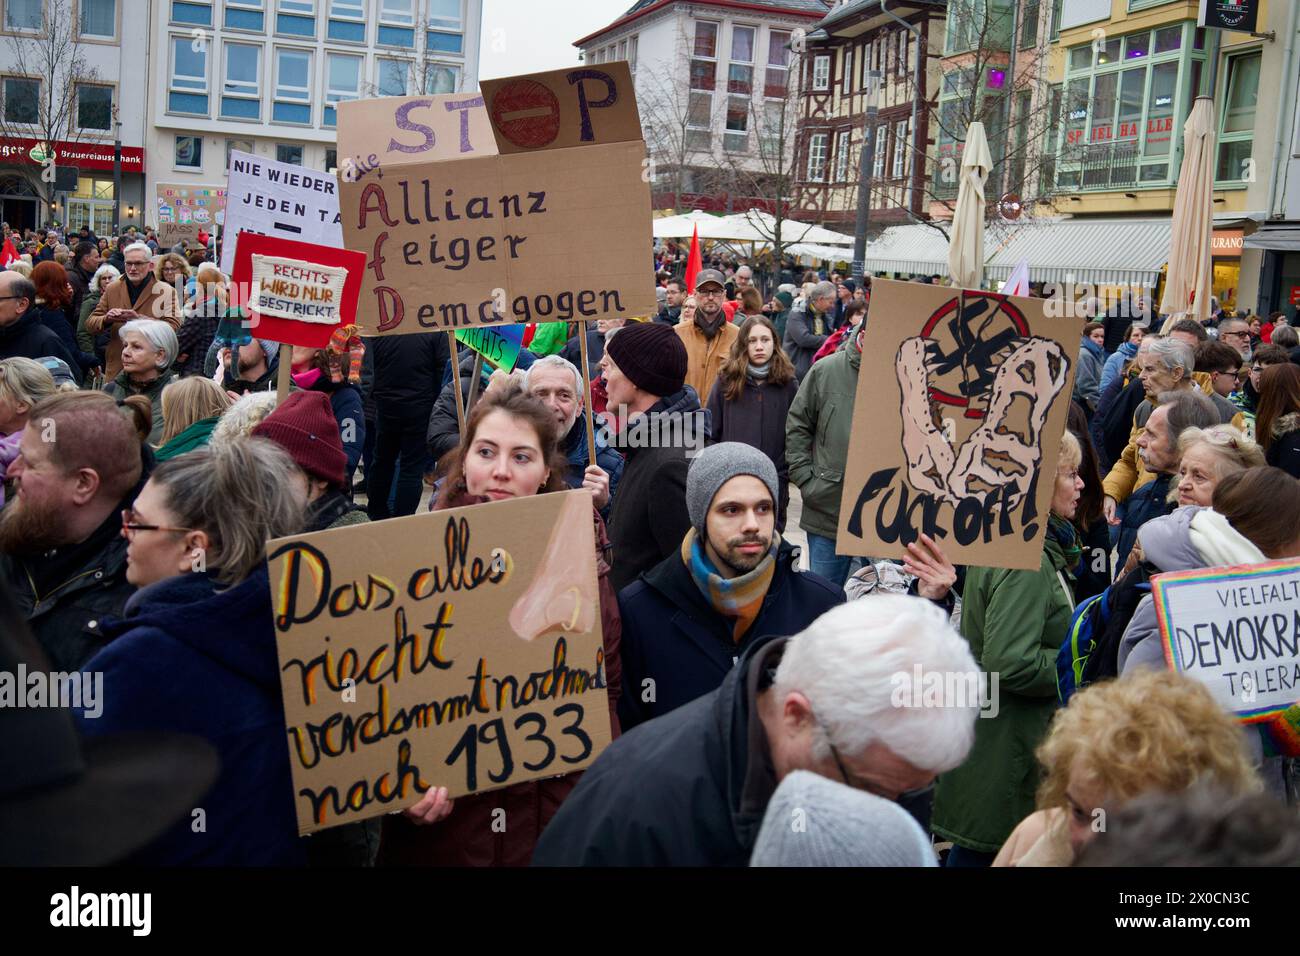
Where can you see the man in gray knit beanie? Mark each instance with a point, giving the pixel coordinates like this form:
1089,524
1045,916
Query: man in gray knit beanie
715,466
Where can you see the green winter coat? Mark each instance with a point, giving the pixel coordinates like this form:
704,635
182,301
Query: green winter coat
196,436
1015,622
817,438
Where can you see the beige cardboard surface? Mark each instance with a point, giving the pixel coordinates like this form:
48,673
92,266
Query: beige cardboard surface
579,106
962,397
385,131
455,648
540,237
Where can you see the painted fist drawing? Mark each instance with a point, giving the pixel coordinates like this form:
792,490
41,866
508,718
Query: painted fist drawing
975,355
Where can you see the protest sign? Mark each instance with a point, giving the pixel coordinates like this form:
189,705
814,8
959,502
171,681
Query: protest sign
278,199
457,648
542,236
1237,630
183,210
498,344
563,108
297,293
375,134
961,400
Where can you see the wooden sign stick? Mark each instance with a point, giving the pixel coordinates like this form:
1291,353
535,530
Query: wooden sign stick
455,377
475,377
586,392
285,374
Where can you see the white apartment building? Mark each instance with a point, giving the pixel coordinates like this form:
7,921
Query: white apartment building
263,76
106,36
710,79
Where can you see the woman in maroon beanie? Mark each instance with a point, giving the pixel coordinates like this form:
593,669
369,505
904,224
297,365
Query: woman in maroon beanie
435,832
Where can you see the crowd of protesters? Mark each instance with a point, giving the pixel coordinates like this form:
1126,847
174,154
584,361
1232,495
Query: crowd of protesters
146,460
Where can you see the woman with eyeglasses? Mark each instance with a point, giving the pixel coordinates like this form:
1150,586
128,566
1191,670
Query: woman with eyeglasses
194,651
1277,425
1015,621
1206,457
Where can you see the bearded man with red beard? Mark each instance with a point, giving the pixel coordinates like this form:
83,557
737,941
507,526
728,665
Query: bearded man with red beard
79,467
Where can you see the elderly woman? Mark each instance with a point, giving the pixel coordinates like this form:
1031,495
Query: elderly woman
23,383
1206,457
86,341
137,295
1155,732
148,350
1015,621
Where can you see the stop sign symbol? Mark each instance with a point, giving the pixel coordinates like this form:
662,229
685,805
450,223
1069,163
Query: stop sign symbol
526,113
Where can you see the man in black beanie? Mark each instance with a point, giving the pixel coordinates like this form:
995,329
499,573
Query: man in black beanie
659,425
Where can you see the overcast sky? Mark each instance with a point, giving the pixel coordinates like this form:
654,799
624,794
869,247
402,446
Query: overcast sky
528,36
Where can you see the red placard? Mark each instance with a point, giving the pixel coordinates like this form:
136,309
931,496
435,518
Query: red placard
305,256
1295,295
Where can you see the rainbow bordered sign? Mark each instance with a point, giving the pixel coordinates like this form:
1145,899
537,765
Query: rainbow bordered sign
1237,630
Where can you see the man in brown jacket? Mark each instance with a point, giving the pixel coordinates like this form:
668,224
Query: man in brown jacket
708,338
137,295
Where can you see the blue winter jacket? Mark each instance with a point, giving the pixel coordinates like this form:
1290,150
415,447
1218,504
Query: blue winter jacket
189,657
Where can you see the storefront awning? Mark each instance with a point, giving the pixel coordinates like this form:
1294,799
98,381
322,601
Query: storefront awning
1279,237
916,249
1096,251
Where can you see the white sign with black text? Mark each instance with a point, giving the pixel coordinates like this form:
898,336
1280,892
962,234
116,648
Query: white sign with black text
279,199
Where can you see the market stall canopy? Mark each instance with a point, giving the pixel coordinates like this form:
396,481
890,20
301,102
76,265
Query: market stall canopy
1097,251
683,226
813,251
758,226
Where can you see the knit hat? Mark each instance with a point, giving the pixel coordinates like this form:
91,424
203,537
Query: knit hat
785,298
718,464
304,426
651,355
812,820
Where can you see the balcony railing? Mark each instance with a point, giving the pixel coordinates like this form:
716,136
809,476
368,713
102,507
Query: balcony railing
1107,165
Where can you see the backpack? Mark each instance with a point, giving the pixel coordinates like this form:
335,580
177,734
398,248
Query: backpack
1091,649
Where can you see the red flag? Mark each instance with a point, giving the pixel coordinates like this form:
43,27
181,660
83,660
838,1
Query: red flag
693,262
8,253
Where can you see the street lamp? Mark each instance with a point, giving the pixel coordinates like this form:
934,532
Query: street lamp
864,176
117,173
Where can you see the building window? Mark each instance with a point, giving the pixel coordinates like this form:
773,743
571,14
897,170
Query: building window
245,15
194,12
878,149
901,129
817,156
777,77
704,66
392,77
296,18
821,78
343,82
242,145
188,92
1237,125
347,21
1029,24
631,55
189,152
241,91
445,42
292,87
843,140
622,49
397,23
441,78
846,71
99,19
736,137
23,15
331,160
22,100
288,153
740,72
95,108
445,13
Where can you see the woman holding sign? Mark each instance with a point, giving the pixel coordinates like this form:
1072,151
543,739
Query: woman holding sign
510,451
1015,622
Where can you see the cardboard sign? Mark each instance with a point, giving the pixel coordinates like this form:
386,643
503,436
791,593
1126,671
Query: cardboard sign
184,210
392,130
278,199
563,108
961,400
546,236
297,293
456,648
1237,630
498,344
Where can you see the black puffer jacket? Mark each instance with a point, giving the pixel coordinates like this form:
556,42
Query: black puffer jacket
408,372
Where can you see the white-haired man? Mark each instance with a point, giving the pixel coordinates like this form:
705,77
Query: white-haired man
559,385
690,788
137,295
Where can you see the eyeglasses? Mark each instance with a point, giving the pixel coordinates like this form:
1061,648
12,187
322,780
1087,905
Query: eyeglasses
1234,335
137,265
710,293
868,786
3,297
131,526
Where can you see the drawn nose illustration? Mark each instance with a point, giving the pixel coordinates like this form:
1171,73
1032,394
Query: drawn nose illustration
562,595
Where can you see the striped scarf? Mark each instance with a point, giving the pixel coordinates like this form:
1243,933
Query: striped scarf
738,598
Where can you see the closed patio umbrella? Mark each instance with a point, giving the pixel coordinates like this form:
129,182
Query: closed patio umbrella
1187,284
966,245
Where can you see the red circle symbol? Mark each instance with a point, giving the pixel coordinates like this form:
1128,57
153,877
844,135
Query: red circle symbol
1000,315
526,113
